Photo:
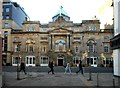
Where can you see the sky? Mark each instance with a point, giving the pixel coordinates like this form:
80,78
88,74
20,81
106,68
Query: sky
77,10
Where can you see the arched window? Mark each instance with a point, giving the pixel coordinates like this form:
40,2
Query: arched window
91,45
30,44
60,45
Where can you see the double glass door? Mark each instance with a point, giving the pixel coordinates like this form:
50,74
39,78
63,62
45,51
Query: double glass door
30,60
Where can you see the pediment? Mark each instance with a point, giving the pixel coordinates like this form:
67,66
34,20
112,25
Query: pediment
60,30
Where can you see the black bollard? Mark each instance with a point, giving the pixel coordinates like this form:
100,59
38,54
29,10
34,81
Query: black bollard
97,80
4,84
113,82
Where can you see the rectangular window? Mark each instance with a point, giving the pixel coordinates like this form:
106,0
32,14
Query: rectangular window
2,17
15,60
43,49
27,60
7,17
6,25
106,48
33,60
44,60
5,40
17,48
27,49
31,48
91,48
2,10
76,59
76,49
7,9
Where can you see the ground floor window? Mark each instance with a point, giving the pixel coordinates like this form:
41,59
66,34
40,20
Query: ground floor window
108,62
92,61
44,61
15,60
76,59
30,60
4,60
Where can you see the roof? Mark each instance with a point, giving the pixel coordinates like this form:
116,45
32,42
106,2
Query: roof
61,11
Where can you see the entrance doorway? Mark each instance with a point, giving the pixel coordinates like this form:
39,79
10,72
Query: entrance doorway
60,61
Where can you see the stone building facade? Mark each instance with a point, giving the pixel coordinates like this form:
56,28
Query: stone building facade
60,41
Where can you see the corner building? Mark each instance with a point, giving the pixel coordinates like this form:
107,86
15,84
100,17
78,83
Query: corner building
13,16
61,41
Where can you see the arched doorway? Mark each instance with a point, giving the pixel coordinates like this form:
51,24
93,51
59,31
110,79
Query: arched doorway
60,61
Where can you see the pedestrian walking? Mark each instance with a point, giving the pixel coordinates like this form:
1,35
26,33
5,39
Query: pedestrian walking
51,67
22,67
68,68
80,68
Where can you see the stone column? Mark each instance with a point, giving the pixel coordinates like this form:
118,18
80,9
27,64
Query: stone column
49,39
67,42
53,42
70,42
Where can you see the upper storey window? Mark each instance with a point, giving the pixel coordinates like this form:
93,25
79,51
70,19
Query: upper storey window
92,28
7,9
30,28
60,45
6,25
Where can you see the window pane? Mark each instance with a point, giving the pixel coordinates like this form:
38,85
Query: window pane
7,17
15,60
33,60
91,60
106,48
30,60
7,9
27,60
44,60
31,48
6,25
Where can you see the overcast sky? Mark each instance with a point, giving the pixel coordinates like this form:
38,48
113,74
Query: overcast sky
77,10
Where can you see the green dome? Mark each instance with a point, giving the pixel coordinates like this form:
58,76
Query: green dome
61,11
61,14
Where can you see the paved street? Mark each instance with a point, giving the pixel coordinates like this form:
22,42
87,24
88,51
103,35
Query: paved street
38,76
60,69
59,79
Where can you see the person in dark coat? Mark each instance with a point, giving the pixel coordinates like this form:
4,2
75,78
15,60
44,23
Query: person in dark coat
51,67
80,68
22,67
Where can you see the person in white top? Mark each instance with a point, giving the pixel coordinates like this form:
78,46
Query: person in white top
67,68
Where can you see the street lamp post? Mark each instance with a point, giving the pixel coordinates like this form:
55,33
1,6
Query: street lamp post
90,77
18,75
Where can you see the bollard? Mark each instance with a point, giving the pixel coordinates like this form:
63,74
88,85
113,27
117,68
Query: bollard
4,79
113,82
97,80
90,78
18,74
